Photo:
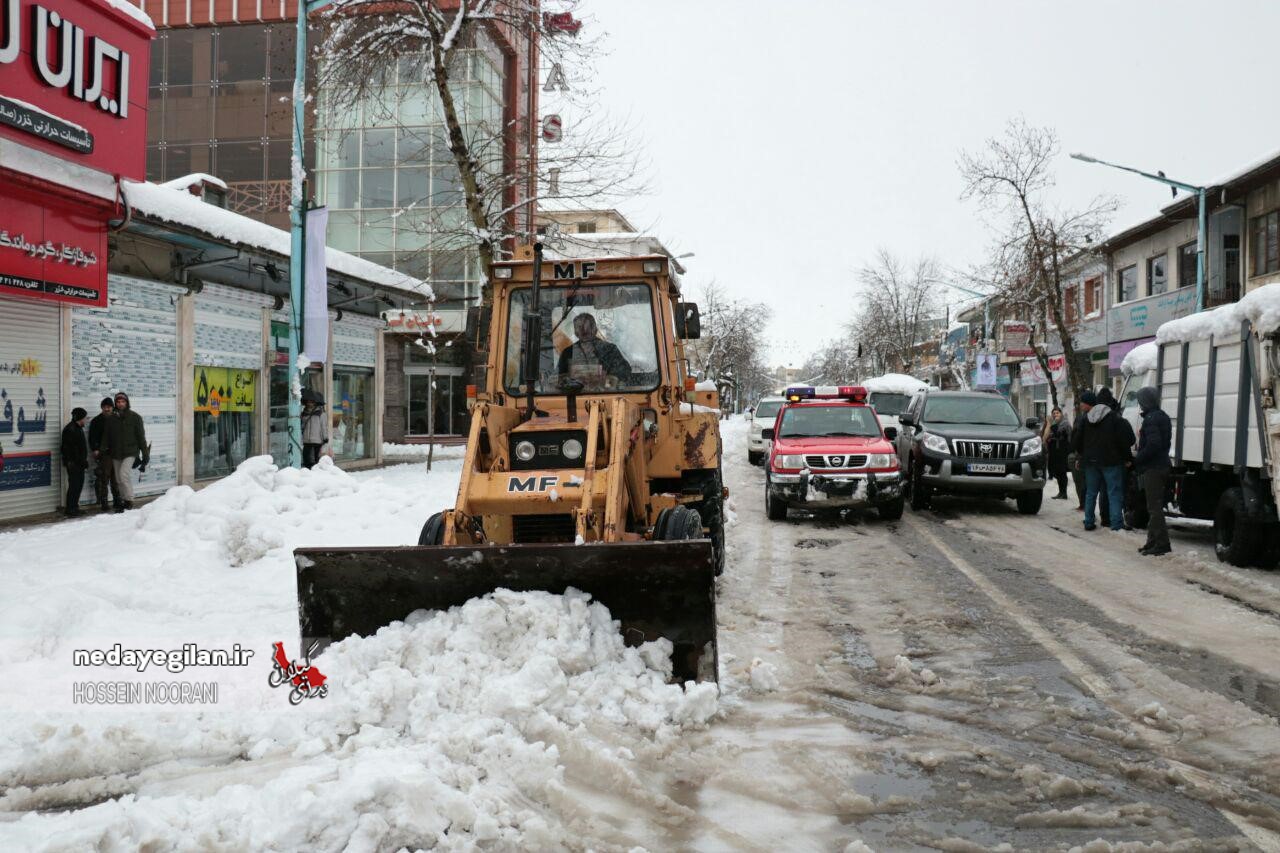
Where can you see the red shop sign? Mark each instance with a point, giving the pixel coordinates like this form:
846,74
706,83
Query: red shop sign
73,82
52,249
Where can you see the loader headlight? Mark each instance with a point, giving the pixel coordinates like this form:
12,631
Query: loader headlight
525,451
572,448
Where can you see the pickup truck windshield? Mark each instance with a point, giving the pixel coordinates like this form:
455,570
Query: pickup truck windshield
600,335
889,404
987,411
820,421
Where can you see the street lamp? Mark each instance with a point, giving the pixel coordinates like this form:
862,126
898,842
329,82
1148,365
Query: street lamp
1202,231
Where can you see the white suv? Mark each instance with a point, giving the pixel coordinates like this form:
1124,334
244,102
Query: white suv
761,419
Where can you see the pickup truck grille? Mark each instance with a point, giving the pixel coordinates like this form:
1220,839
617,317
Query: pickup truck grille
973,449
837,460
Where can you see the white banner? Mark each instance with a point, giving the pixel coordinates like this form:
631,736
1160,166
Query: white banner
315,323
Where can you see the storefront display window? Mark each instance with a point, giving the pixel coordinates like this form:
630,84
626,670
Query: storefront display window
225,402
351,426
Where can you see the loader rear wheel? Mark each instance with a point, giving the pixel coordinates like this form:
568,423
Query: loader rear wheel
711,510
433,531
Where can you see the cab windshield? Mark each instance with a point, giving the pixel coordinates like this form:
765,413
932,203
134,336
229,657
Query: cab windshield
821,421
986,411
600,337
889,404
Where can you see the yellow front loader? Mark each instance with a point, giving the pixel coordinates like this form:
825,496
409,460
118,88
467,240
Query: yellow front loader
593,463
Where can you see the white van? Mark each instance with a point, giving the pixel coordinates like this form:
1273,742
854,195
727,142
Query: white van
890,394
761,418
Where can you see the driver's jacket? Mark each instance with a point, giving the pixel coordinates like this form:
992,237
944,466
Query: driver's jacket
591,354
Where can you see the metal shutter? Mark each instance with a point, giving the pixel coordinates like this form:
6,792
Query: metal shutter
31,411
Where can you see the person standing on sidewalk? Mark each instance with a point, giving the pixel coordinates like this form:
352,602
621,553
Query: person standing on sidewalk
104,475
75,458
315,434
1152,466
124,440
1057,440
1102,444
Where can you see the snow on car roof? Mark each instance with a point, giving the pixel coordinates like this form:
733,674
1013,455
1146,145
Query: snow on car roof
894,383
1140,359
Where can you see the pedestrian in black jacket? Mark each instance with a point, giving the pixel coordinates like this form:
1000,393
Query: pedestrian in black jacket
1152,464
104,475
1057,442
75,458
1102,446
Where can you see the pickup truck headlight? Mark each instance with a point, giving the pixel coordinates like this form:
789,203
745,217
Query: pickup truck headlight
936,443
789,461
882,460
1032,446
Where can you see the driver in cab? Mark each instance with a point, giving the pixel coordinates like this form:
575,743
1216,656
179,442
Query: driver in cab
591,360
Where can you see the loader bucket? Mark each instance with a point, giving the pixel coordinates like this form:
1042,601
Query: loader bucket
655,589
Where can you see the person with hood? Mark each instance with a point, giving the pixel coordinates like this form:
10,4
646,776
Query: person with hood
75,458
104,478
1057,442
124,442
315,434
1102,445
1152,464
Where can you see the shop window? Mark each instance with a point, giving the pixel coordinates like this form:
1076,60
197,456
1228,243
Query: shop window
225,401
1093,296
242,53
1157,280
1187,265
1127,284
1264,243
351,426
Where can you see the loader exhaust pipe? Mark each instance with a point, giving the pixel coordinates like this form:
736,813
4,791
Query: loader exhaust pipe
533,337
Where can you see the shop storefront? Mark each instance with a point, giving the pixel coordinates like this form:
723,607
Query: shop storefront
427,365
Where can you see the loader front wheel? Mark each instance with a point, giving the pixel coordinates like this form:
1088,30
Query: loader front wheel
433,531
677,523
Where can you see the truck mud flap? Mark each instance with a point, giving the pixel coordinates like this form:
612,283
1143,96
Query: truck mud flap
654,589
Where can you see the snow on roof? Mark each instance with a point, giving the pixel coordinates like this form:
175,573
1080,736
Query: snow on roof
1261,309
186,182
894,383
132,11
182,208
1140,359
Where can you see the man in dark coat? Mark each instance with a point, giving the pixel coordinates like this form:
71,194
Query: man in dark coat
1152,464
125,441
75,458
591,359
1102,445
1057,441
104,475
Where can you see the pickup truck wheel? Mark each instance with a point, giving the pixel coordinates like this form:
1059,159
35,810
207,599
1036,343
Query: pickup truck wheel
774,508
433,531
1029,502
891,511
754,456
1236,539
920,493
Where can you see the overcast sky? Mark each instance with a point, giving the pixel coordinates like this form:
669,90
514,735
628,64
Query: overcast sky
790,139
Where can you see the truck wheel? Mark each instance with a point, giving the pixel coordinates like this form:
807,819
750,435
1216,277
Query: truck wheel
1135,505
891,511
1029,502
920,493
1235,537
775,508
433,530
677,524
754,456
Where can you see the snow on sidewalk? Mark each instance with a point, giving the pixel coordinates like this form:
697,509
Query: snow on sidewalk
446,731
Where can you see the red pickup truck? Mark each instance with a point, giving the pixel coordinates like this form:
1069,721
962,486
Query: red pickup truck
829,451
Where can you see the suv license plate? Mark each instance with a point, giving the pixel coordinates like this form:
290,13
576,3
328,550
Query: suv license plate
986,468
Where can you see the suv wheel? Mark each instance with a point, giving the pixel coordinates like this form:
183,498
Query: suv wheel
1029,502
754,456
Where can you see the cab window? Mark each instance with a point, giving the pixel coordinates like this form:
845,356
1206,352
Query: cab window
822,421
889,404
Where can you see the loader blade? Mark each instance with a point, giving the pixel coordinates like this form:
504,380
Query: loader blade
655,589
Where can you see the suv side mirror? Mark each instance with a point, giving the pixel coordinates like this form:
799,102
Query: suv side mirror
906,419
688,321
767,433
891,433
1033,423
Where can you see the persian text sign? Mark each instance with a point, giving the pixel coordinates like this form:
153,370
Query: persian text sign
73,82
1017,339
52,250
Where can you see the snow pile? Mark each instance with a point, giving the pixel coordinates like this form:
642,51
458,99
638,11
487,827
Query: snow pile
1140,359
705,385
1261,308
419,451
894,383
447,731
247,513
133,12
763,676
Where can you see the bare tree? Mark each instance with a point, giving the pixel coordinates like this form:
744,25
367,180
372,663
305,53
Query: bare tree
732,345
897,300
1010,177
500,175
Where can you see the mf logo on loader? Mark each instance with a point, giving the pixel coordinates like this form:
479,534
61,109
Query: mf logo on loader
569,269
531,484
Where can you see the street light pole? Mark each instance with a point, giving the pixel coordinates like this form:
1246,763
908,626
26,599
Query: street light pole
1203,222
